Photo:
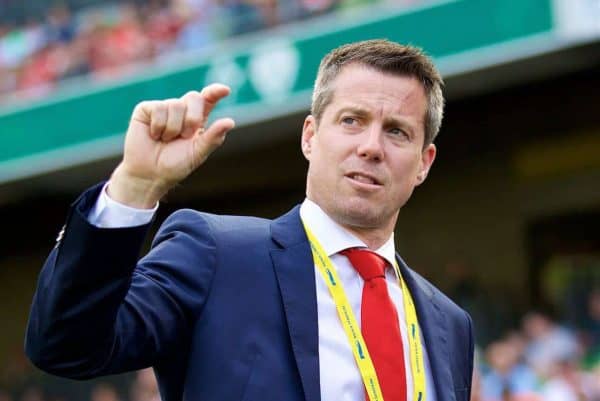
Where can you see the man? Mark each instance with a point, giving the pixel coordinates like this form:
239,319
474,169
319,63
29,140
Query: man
240,308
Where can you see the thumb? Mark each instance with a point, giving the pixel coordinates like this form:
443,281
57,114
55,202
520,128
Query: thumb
206,142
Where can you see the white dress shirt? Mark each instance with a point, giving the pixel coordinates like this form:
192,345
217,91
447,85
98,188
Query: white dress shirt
108,213
339,375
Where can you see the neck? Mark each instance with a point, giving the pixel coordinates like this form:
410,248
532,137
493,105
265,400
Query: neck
373,238
373,233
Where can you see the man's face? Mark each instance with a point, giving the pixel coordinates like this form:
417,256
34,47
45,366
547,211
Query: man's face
366,155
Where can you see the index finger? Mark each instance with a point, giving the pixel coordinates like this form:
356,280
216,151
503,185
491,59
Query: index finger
211,95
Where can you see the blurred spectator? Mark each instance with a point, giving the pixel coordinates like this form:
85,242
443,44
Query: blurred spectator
144,387
549,343
104,392
18,372
60,26
594,318
567,383
32,393
198,32
318,6
244,15
16,44
5,395
476,386
163,23
591,332
592,383
41,69
77,57
507,377
121,44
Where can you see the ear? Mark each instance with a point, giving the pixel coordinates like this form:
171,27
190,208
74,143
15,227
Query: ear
308,132
427,158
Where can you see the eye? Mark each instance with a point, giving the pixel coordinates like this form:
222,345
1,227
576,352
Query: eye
398,131
349,121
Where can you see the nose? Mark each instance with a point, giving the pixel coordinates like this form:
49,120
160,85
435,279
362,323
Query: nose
371,146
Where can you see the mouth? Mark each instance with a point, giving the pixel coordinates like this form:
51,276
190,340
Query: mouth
364,179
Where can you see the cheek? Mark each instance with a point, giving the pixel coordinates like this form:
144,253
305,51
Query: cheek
328,156
323,167
407,170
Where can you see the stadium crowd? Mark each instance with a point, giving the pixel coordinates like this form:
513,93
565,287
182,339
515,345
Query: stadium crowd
543,361
107,39
141,386
551,353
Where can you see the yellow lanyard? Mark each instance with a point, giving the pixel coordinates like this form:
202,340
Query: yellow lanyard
359,348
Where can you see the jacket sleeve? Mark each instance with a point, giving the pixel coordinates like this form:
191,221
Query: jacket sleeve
97,310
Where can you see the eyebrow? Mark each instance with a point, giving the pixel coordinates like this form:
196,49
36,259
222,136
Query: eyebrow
387,122
397,122
357,111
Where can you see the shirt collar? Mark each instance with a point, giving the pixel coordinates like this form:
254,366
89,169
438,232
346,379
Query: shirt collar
334,238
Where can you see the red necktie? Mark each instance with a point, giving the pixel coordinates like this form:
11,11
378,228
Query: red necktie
379,324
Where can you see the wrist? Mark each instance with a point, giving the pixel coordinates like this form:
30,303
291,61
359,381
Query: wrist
134,191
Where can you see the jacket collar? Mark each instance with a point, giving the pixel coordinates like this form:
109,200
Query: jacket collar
294,268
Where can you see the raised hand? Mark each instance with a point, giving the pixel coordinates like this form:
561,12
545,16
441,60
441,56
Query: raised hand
165,142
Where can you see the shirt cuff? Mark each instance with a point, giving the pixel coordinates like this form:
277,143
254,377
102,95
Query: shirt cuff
108,213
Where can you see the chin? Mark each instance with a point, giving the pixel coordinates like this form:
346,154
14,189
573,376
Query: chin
361,214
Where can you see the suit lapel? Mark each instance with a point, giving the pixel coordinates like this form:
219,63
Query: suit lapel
294,268
434,331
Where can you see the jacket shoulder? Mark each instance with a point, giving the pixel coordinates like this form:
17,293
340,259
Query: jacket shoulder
219,227
219,222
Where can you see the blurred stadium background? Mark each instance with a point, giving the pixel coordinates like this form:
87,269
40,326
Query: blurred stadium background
508,223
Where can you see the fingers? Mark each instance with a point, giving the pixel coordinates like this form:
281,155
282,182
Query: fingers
215,134
211,95
194,116
200,105
173,118
158,113
152,113
206,142
176,111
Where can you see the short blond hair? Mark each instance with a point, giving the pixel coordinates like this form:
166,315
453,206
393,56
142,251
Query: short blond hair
389,57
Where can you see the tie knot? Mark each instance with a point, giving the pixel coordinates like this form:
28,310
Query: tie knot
367,263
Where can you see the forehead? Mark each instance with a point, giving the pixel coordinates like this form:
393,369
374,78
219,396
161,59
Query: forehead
365,87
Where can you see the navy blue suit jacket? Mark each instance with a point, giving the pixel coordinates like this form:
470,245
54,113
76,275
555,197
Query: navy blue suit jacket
223,308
